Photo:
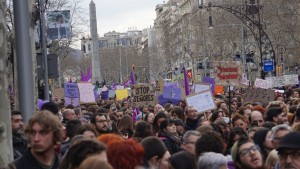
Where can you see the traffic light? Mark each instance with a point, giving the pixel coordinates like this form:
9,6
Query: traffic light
132,66
189,74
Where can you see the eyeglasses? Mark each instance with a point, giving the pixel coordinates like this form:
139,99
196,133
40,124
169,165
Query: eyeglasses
246,152
293,155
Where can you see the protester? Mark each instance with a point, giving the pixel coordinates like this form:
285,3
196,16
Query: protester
168,134
79,151
246,154
278,132
156,154
93,162
185,159
262,138
209,142
271,160
87,130
289,151
44,131
211,160
100,122
192,122
68,114
19,139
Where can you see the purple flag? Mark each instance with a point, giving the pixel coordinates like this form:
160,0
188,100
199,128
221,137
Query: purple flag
186,82
132,78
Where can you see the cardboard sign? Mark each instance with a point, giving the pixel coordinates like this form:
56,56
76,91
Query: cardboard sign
121,94
58,92
258,95
201,87
202,101
143,94
229,71
86,92
260,83
71,90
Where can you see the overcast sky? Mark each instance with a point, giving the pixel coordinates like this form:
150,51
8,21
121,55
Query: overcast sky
119,15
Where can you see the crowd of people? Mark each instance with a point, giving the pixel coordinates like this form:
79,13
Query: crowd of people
114,135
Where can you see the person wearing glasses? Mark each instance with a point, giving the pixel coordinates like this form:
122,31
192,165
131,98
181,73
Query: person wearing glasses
246,154
289,151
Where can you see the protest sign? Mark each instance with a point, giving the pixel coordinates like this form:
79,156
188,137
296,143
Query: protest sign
121,94
104,95
210,81
143,94
258,95
71,90
119,87
219,90
172,93
163,101
58,92
291,79
260,83
86,92
111,94
202,101
227,71
200,87
58,24
72,101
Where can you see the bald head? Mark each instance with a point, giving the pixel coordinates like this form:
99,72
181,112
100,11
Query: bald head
256,117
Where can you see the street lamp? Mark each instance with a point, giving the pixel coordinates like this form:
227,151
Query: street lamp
264,43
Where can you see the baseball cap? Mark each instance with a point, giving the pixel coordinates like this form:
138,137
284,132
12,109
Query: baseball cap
289,141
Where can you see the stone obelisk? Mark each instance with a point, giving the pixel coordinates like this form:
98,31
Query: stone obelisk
96,75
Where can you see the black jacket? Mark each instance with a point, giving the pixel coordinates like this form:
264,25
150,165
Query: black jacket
28,161
19,145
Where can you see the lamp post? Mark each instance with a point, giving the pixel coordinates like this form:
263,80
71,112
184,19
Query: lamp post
264,43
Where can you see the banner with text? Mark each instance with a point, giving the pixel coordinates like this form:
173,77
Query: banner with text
258,95
143,94
227,73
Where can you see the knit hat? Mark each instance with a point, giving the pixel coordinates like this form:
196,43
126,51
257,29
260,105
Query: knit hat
289,141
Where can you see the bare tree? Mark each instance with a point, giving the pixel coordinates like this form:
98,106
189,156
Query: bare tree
5,126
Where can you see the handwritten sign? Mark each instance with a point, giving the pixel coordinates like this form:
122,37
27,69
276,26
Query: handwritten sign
201,87
71,90
258,95
58,92
143,94
291,79
202,101
86,92
260,83
228,71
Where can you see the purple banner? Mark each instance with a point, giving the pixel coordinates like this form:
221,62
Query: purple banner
163,101
210,81
71,90
172,93
104,95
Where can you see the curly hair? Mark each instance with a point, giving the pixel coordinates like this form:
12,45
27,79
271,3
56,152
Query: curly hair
49,122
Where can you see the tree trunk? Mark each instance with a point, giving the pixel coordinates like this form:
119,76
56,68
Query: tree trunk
6,150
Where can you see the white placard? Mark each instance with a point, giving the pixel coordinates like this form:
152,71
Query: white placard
86,92
202,101
291,79
279,81
271,81
201,87
260,83
119,87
